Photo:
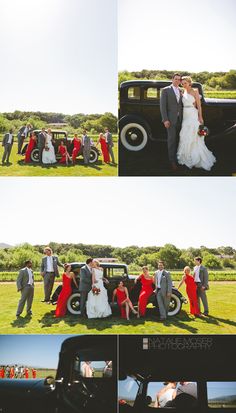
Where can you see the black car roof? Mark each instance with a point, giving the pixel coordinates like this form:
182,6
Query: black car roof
150,83
102,264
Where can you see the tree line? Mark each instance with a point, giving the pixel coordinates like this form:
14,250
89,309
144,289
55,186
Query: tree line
94,123
11,259
210,80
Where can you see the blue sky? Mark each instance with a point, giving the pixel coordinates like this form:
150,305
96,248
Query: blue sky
177,35
31,350
119,211
59,55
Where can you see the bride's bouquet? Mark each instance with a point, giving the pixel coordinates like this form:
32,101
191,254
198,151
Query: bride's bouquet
46,147
203,131
95,290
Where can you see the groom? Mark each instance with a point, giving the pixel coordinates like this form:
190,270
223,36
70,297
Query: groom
85,284
171,113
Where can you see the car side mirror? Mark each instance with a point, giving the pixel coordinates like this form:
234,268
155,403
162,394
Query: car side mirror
50,381
148,400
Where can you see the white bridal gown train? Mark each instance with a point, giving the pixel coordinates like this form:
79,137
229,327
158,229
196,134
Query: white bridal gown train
192,150
97,304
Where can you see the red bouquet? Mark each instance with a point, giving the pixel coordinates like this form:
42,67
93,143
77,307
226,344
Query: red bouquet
203,131
96,290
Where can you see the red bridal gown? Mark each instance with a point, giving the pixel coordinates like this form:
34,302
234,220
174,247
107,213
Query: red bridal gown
121,296
62,151
30,147
63,296
76,149
105,152
146,292
191,290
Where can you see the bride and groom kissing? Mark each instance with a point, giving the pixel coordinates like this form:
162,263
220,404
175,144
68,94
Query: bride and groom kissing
181,114
93,294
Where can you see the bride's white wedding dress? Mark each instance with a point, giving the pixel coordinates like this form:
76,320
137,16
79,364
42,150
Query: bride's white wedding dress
48,156
192,150
97,305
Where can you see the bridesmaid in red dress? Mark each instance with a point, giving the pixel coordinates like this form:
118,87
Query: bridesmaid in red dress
26,372
65,293
104,148
123,300
65,157
147,289
191,290
77,147
30,147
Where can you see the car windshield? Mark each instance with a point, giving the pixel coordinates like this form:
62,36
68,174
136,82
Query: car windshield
128,389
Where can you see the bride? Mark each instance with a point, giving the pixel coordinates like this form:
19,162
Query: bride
48,155
97,303
192,150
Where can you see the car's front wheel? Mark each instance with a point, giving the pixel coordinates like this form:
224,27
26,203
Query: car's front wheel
93,155
175,305
133,136
34,156
73,304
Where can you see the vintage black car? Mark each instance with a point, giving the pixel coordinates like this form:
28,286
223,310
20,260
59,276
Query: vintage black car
70,391
146,363
115,273
58,136
140,123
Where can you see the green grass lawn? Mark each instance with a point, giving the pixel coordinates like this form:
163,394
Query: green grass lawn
17,167
222,318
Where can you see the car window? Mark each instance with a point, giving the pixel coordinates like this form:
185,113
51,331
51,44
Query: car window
172,394
134,93
221,394
151,93
127,390
115,272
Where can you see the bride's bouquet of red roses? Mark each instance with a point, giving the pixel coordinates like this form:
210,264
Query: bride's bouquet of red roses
203,131
96,290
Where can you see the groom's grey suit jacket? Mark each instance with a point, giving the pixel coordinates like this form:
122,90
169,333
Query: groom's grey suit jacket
55,262
165,282
85,283
170,108
23,279
203,275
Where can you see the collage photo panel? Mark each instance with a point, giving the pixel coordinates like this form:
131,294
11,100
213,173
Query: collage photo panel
117,182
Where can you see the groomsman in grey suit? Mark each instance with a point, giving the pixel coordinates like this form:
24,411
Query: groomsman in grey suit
22,135
172,113
49,270
110,144
86,145
7,143
201,279
41,143
163,283
85,284
25,284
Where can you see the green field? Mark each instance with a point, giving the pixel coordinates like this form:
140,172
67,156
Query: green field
220,94
17,167
222,318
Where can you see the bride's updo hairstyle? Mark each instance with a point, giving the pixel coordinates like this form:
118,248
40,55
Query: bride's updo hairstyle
97,262
187,79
